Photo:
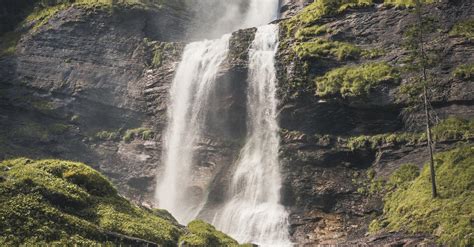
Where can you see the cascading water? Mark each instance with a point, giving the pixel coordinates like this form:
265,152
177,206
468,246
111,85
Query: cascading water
189,95
254,213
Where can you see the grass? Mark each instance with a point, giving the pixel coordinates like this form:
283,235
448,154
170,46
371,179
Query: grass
355,80
411,207
463,29
54,201
464,72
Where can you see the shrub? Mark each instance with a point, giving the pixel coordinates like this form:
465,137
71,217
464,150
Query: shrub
106,135
142,133
355,81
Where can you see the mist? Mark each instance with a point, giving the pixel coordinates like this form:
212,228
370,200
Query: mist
213,18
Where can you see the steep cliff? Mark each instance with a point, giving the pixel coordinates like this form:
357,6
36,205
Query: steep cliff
90,83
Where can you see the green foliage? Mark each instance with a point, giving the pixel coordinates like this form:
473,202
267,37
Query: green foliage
54,201
453,129
202,234
323,48
31,131
449,217
355,81
142,133
106,135
463,29
464,72
8,42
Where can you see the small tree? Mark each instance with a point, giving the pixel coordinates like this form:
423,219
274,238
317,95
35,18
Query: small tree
420,60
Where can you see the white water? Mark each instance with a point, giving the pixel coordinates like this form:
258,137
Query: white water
254,213
189,95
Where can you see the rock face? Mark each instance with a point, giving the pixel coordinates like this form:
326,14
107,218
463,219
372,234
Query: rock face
92,86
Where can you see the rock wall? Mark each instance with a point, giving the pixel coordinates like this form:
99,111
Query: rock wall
92,86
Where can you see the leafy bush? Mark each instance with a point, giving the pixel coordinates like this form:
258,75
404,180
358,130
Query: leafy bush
54,201
355,81
411,208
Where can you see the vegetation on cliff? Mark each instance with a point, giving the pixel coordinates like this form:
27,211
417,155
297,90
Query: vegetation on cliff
411,208
59,202
355,81
450,129
201,234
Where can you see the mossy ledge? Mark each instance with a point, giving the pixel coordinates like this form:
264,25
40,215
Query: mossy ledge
410,207
48,202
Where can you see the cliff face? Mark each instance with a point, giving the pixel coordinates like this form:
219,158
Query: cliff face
92,85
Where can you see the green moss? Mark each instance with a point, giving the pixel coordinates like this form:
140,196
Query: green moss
463,29
324,48
355,81
53,201
403,175
8,43
310,32
142,133
450,129
202,234
449,217
464,72
31,131
405,3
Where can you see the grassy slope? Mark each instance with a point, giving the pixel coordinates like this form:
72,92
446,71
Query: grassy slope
411,208
54,201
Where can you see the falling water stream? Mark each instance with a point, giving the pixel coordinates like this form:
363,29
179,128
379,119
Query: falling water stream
189,96
253,212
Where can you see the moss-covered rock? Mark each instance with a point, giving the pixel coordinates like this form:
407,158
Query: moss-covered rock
449,217
54,201
355,81
202,234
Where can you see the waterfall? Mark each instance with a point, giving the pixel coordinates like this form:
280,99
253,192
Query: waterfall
253,212
189,95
